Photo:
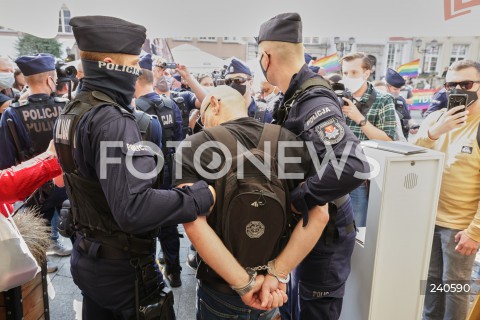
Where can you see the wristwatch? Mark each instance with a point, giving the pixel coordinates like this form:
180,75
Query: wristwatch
363,122
251,283
273,272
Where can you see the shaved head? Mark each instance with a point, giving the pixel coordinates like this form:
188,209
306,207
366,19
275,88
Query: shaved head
222,103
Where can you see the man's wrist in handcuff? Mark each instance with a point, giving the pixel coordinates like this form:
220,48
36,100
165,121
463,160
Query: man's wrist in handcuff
282,277
246,288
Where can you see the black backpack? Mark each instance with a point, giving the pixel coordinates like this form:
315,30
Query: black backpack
252,214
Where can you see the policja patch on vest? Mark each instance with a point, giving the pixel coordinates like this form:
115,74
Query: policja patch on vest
330,131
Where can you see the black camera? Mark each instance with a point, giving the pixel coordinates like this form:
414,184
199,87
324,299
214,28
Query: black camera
342,92
65,71
168,65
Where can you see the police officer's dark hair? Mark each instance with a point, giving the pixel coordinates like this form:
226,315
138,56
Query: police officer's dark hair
464,64
366,62
146,76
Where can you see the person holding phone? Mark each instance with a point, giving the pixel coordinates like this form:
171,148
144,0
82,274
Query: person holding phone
457,228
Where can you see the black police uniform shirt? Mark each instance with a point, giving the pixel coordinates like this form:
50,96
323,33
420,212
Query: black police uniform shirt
252,110
34,120
401,107
137,208
317,117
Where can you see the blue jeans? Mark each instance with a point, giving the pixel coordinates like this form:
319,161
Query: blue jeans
360,205
54,226
446,264
213,305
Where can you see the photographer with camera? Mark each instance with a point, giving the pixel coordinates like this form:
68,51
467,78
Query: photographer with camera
66,79
371,116
26,129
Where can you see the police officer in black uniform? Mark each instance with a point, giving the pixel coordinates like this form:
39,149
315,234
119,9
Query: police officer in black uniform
169,114
395,82
26,130
109,175
311,110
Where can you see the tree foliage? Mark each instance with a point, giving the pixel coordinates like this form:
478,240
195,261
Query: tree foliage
28,45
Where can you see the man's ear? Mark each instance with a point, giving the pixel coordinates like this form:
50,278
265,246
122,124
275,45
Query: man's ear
368,72
108,60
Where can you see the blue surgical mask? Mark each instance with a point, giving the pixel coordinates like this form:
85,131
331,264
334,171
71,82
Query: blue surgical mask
6,80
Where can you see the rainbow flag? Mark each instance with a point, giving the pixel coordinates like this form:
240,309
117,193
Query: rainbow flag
422,99
409,69
329,63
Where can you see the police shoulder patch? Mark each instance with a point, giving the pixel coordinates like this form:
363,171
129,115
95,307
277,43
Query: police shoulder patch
330,131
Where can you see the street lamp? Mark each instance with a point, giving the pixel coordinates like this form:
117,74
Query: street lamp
343,46
428,48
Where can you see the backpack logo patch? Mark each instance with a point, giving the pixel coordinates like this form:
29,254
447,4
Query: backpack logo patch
255,229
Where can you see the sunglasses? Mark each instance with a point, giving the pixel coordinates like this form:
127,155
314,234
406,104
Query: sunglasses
229,82
465,85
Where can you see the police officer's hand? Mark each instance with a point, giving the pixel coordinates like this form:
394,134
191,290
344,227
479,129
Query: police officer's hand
465,246
351,111
214,195
447,122
274,293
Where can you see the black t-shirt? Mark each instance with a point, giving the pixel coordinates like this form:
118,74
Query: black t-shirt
248,132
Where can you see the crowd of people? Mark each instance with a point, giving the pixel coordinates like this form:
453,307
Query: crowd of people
263,248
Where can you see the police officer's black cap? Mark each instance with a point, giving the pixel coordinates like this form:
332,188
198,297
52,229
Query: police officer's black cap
394,79
285,27
108,34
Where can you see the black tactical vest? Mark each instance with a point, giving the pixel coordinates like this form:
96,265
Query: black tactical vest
163,109
144,121
185,112
90,209
38,115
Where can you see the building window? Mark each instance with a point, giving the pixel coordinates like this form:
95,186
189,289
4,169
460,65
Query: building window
208,39
459,52
182,38
394,55
230,39
431,59
64,21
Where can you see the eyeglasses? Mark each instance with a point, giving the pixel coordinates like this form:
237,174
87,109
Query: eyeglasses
202,115
465,85
229,82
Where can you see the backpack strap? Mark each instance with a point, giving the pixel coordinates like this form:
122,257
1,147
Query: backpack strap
223,135
271,132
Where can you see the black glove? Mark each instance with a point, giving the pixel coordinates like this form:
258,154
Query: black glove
66,226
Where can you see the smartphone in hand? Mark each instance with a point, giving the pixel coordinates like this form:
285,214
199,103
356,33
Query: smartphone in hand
457,99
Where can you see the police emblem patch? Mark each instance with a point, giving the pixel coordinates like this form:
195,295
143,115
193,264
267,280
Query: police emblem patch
255,229
330,131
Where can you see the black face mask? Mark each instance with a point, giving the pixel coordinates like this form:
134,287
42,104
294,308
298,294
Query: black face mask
472,96
242,88
264,71
117,80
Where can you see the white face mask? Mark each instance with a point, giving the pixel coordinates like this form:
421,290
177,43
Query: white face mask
269,97
353,84
6,80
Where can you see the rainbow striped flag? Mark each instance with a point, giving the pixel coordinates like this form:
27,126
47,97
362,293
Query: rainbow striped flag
422,99
329,63
409,69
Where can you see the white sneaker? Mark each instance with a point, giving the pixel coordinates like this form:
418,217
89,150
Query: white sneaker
57,248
